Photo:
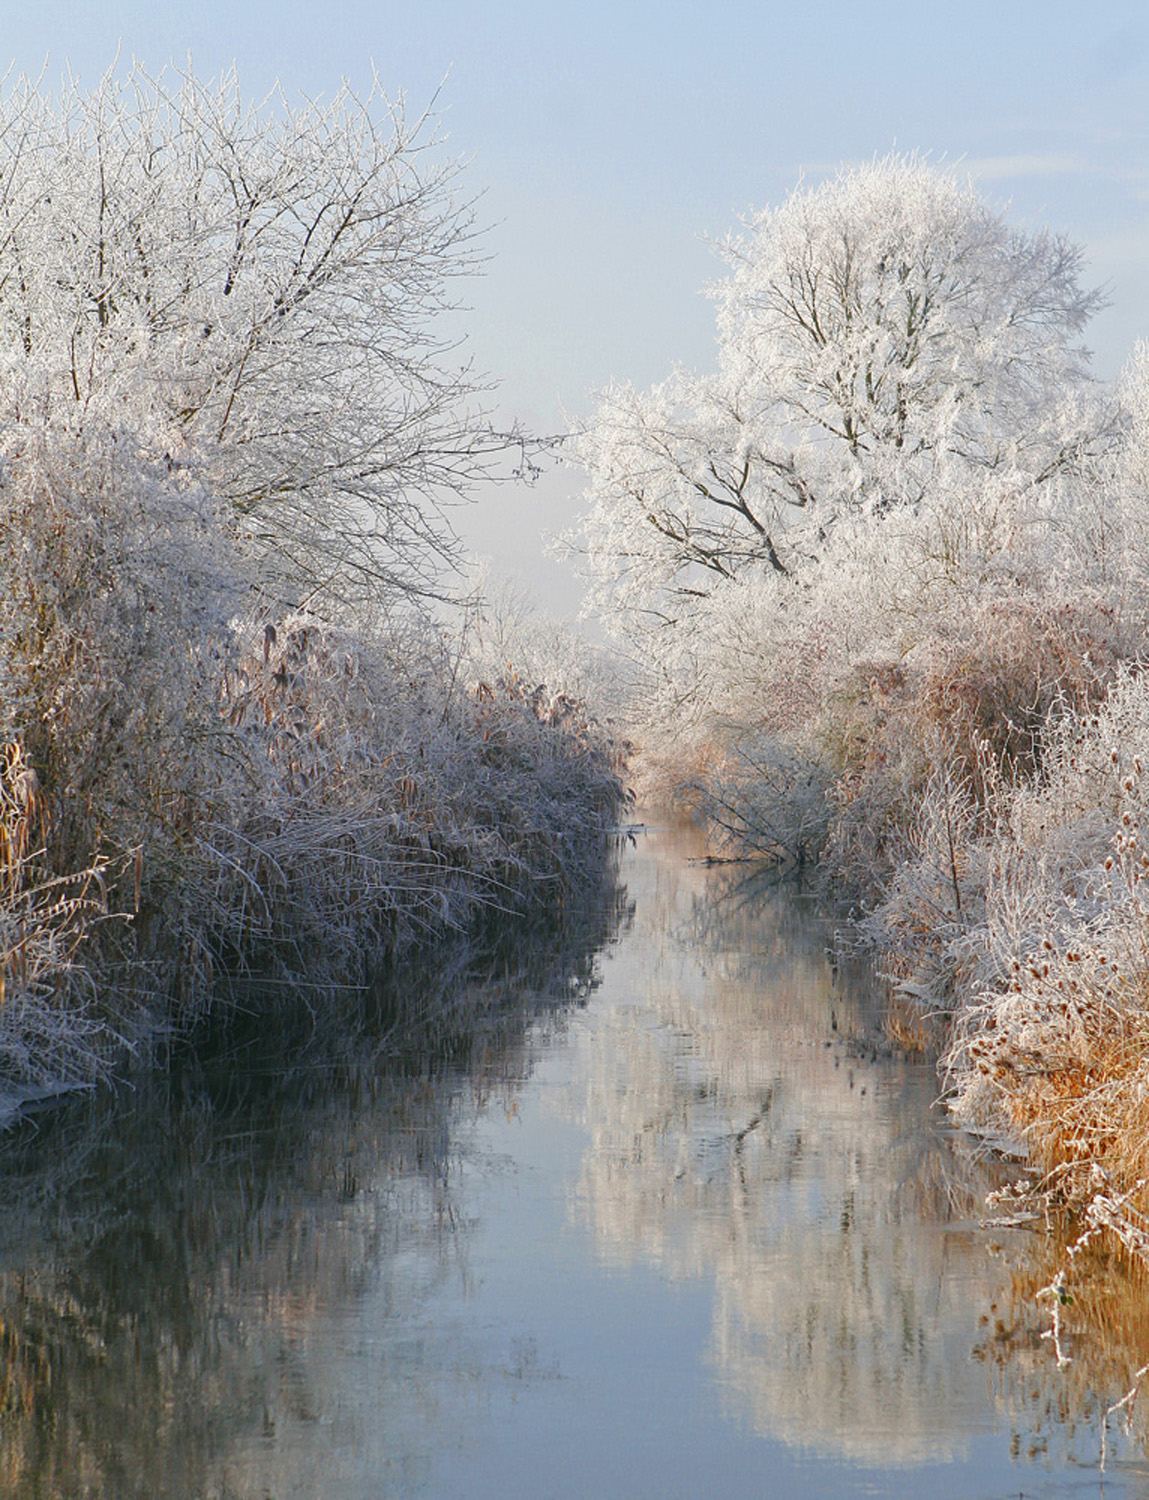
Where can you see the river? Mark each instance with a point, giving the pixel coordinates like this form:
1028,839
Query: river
682,1221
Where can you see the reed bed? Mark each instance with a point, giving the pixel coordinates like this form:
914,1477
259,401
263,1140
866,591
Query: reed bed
201,794
1022,928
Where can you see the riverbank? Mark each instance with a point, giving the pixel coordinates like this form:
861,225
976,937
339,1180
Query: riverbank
1006,903
1025,937
239,747
200,798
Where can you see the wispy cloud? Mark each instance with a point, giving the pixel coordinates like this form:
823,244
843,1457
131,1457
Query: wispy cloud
1031,164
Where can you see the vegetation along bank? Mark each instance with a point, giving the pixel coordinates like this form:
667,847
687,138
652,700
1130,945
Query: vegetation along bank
888,563
236,750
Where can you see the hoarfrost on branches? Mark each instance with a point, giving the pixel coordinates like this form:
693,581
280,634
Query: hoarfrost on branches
882,339
252,289
231,750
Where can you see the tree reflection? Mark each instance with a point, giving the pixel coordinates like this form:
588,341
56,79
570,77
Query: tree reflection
188,1270
750,1124
246,1276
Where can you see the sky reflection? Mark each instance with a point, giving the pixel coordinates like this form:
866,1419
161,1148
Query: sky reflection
695,1219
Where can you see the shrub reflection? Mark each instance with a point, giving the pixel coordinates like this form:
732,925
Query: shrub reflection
764,1132
178,1262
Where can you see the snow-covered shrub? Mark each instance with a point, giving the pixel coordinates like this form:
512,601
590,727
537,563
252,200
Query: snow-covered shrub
49,1032
504,632
977,693
1051,1044
118,581
895,638
199,795
759,797
926,928
897,508
948,856
1027,934
235,747
395,802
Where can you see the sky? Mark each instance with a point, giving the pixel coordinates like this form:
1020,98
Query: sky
609,144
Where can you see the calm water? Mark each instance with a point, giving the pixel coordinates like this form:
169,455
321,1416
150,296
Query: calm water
688,1226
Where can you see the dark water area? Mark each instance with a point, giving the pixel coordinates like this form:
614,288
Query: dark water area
660,1213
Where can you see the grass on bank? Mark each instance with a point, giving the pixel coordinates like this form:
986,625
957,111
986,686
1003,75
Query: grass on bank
199,795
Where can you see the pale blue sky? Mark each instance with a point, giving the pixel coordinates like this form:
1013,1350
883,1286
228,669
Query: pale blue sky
609,139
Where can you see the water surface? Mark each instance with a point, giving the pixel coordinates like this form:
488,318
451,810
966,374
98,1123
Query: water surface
675,1220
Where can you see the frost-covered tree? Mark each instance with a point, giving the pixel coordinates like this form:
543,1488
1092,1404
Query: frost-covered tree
255,290
879,337
887,520
228,425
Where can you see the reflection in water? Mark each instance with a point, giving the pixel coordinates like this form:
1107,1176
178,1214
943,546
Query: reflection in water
749,1124
374,1262
162,1323
183,1269
1104,1337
